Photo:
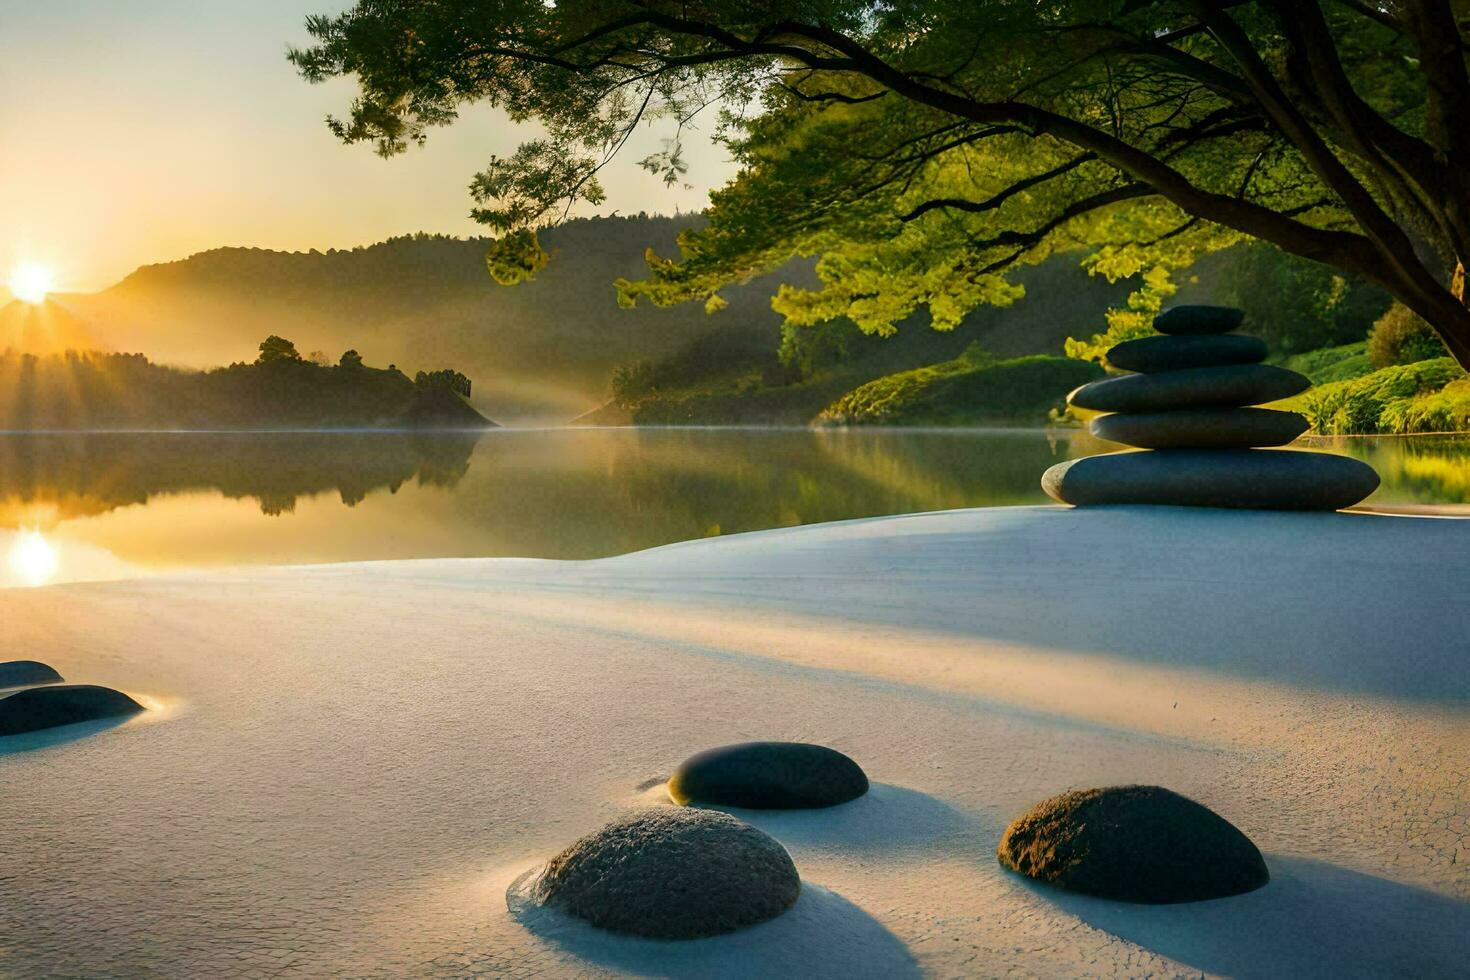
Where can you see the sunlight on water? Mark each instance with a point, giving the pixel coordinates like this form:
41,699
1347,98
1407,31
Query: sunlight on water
86,507
32,559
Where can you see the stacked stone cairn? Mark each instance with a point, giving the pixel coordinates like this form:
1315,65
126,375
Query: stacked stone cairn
1187,403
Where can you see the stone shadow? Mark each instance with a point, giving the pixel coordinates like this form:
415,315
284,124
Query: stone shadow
822,935
1313,919
885,819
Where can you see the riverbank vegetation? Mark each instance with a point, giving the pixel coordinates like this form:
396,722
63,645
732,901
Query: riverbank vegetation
972,389
279,390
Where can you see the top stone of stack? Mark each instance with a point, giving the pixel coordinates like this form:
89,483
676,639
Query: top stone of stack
1193,321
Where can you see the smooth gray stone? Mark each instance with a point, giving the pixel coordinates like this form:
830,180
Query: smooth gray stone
49,707
24,673
1261,479
768,776
672,873
1201,428
1185,320
1151,354
1133,844
1210,387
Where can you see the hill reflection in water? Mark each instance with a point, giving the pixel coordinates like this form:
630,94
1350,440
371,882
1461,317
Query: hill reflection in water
109,505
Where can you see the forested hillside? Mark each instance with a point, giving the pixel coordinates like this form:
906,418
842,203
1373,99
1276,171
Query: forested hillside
543,350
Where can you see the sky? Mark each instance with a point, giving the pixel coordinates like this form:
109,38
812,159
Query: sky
140,131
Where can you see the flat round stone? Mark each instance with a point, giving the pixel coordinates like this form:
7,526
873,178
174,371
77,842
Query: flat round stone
37,708
1201,428
1150,354
1135,844
768,776
672,873
23,673
1263,479
1208,387
1187,320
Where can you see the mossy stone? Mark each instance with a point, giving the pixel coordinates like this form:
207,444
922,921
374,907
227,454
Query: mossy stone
37,708
1135,844
672,873
768,776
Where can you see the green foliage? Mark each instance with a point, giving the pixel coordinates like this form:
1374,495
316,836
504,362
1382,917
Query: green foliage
89,390
275,349
924,151
1401,336
1417,397
446,379
1332,363
1293,304
972,388
350,359
515,258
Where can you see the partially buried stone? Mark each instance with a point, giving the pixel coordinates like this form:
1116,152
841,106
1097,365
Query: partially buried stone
38,708
1134,843
768,776
672,873
1151,354
1223,387
1263,479
1185,320
1203,428
23,673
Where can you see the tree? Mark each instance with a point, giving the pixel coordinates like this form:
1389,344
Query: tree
274,349
350,359
923,148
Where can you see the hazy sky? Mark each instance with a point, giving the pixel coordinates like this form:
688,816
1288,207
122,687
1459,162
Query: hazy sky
137,131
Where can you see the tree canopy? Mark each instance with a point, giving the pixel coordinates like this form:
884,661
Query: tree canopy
925,148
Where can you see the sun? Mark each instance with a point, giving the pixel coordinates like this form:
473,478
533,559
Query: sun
32,558
31,282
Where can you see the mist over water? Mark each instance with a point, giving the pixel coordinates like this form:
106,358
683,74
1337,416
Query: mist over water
116,505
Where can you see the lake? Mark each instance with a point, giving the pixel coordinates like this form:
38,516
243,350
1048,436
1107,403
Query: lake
77,507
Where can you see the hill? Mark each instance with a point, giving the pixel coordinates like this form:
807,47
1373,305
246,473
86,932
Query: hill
541,350
92,391
544,350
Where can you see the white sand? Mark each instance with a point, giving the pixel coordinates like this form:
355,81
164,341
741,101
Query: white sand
349,765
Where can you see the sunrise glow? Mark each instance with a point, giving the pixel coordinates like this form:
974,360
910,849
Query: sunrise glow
32,558
31,282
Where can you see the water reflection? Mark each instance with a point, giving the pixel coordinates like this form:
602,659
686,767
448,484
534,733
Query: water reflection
108,505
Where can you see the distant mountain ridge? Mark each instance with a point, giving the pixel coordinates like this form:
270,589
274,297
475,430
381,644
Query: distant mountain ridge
545,348
541,351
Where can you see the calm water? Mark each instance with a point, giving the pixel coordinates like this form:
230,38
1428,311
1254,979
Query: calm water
76,507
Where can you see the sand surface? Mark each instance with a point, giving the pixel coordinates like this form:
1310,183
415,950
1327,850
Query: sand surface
347,766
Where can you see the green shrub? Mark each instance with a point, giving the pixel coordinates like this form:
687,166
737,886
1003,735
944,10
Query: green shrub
1332,363
1394,399
973,387
1401,336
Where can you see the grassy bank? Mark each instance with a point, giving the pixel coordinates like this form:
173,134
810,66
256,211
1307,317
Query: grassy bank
1427,396
970,389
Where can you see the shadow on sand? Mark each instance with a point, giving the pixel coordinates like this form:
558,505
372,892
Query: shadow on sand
1313,920
822,935
886,818
49,737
